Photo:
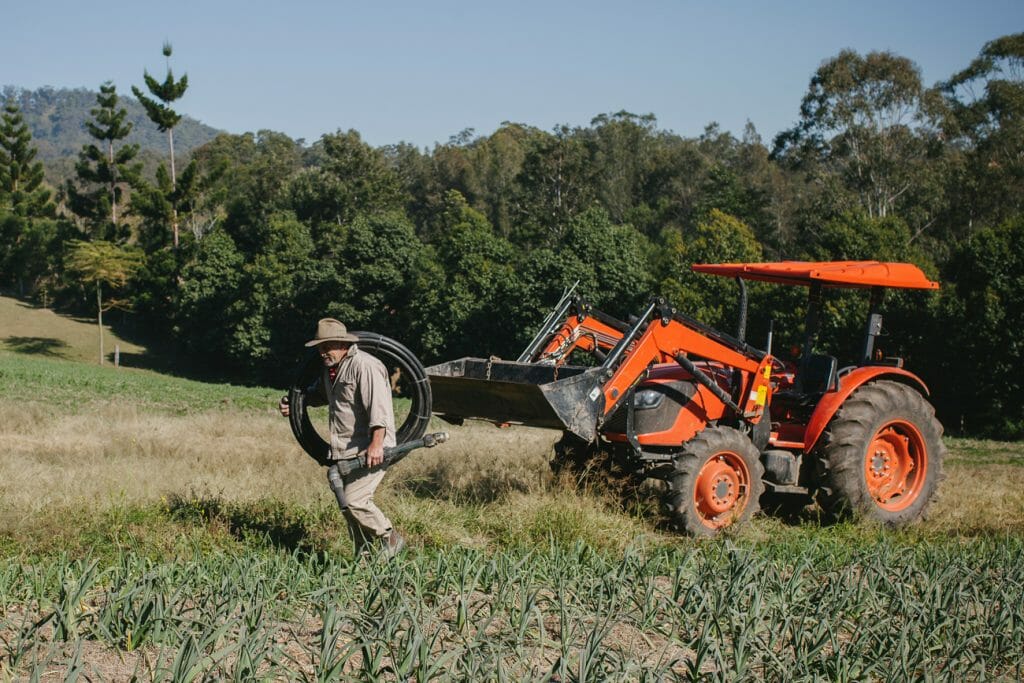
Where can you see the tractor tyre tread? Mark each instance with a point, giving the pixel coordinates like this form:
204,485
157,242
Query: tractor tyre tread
679,501
843,491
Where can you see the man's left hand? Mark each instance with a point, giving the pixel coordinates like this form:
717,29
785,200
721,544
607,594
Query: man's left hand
374,455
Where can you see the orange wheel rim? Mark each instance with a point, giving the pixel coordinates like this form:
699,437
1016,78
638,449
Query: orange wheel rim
895,465
720,494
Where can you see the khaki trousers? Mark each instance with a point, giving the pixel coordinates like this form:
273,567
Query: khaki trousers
365,520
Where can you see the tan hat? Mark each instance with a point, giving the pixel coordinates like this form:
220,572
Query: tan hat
329,329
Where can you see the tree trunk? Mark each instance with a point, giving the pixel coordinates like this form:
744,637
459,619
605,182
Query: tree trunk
170,142
99,316
174,185
113,183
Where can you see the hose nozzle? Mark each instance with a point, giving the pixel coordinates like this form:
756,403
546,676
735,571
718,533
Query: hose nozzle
431,440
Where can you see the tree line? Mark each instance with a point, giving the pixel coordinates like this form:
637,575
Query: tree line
460,249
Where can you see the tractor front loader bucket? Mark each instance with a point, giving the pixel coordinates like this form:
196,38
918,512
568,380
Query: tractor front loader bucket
536,395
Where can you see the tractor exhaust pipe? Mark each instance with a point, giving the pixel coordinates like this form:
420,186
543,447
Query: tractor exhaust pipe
741,326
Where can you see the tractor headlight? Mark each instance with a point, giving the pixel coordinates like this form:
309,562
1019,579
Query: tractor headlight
648,398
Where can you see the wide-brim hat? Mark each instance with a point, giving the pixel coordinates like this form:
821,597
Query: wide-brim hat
329,329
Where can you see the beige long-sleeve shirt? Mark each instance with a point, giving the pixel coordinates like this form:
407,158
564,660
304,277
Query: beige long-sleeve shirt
358,399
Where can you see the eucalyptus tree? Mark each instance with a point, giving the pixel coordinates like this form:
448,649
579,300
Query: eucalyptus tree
985,117
621,147
865,122
554,186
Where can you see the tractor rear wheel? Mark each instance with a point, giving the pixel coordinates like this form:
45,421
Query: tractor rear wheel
881,455
716,482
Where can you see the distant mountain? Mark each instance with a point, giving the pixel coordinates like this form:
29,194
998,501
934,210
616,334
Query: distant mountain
57,119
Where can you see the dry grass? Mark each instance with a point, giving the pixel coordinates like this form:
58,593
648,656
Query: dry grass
486,486
113,454
984,488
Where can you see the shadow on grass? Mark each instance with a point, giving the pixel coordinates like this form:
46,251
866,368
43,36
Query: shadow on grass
271,523
163,353
165,364
37,346
438,483
794,510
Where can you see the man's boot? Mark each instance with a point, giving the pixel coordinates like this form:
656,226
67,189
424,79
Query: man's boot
393,544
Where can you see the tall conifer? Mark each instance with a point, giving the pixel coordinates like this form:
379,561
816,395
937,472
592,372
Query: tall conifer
21,177
160,112
26,231
105,170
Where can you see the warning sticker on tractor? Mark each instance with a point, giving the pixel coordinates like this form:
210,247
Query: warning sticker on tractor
594,394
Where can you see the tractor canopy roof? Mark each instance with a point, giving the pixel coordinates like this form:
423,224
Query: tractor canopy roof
853,274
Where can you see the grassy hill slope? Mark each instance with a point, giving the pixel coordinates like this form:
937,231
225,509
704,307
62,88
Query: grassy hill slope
41,332
52,358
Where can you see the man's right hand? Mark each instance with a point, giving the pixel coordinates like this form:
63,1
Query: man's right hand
284,407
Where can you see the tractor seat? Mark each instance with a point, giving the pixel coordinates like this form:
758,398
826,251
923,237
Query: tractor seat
820,374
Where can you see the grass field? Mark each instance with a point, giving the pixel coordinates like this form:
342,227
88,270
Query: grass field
160,529
42,332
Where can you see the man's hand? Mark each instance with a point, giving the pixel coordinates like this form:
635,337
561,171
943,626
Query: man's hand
374,455
285,408
375,451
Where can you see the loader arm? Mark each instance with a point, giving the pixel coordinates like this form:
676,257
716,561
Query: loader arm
547,392
593,332
674,338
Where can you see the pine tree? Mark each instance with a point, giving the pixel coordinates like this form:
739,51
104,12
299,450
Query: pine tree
21,179
26,228
163,203
104,169
160,112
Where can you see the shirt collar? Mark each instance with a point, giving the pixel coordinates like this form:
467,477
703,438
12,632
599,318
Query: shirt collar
333,370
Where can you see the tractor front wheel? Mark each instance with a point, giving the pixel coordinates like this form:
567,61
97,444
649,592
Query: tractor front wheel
881,455
716,482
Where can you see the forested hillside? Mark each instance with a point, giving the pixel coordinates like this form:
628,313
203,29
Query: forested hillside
460,249
57,119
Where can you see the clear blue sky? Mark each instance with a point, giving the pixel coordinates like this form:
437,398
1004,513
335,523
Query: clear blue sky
422,71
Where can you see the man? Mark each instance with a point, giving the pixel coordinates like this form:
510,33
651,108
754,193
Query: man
357,392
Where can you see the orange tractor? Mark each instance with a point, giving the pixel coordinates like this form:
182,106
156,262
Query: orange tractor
722,423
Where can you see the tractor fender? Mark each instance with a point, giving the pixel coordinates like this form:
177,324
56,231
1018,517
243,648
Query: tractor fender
831,401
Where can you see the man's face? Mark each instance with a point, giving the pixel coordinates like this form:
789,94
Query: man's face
332,352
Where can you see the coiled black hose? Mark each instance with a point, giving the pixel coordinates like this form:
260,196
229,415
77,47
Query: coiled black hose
392,354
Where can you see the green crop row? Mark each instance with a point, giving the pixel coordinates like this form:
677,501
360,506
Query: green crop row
797,610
